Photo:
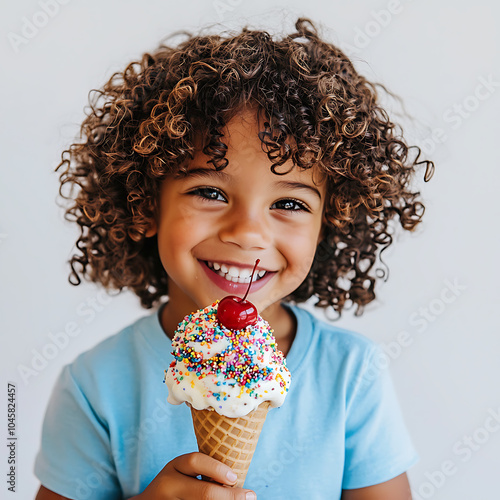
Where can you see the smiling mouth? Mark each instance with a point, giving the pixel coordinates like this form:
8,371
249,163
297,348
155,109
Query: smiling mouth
235,274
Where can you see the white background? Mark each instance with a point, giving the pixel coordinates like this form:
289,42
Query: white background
433,54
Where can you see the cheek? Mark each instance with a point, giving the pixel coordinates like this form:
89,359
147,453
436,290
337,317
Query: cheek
181,238
176,235
299,249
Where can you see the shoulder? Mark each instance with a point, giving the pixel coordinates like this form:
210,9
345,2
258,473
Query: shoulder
347,355
113,350
331,337
108,370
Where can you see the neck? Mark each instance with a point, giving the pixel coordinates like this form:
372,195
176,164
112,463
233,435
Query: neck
284,324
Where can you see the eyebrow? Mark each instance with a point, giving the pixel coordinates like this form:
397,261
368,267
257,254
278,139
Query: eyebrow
207,172
298,185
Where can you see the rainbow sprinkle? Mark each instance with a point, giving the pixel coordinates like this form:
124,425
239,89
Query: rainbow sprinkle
240,363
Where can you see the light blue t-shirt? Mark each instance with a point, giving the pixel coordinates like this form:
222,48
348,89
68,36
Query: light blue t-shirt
109,430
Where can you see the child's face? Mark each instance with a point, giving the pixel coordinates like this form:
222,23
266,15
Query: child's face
233,217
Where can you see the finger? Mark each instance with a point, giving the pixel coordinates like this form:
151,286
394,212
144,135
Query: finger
194,464
204,490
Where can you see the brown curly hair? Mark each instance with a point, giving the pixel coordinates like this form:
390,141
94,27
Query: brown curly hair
144,123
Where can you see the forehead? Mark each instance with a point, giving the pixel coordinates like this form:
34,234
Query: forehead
241,135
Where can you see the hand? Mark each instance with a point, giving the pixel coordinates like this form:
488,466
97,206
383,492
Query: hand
177,481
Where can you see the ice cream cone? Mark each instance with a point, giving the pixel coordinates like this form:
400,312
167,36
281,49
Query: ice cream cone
230,440
229,379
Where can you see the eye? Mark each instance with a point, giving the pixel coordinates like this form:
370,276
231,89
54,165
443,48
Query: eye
208,193
290,205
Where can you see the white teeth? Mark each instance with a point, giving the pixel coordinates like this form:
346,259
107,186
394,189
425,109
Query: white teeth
235,274
245,273
233,271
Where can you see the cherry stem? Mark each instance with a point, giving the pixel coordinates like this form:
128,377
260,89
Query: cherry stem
251,279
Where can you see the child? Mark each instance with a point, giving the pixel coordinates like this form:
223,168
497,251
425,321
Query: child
196,161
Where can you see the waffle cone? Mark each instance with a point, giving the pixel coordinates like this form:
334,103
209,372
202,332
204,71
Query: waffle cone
230,440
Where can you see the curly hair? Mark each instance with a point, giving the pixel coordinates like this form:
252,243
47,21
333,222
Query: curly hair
145,124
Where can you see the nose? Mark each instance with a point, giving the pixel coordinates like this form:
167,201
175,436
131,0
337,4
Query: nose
245,229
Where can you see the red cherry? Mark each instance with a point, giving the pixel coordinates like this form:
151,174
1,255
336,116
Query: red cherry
235,313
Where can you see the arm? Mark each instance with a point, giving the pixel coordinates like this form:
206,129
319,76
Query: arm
178,481
378,445
395,489
45,494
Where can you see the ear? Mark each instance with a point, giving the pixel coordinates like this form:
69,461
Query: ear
152,229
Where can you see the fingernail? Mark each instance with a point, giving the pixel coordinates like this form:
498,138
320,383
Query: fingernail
250,496
231,476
